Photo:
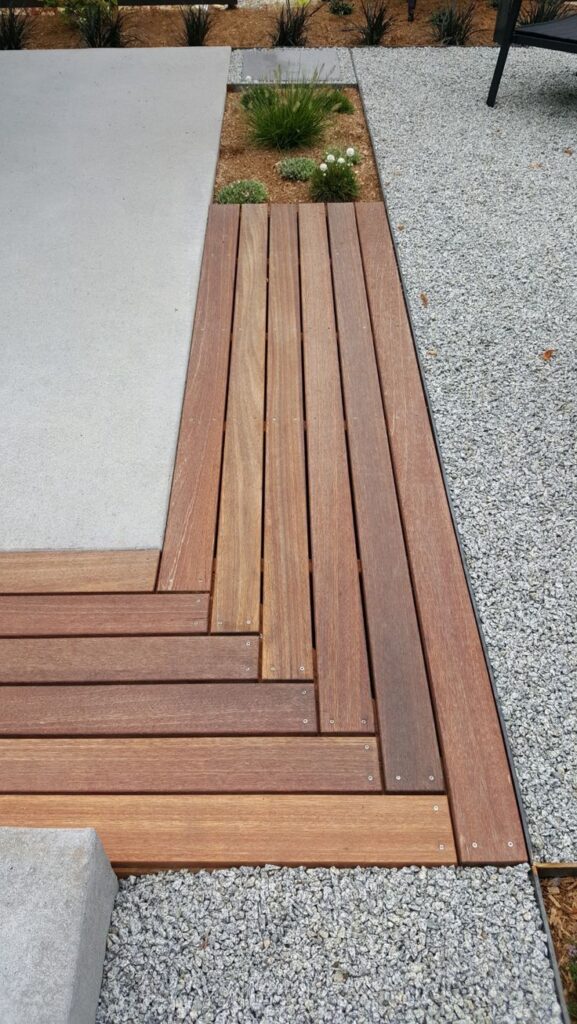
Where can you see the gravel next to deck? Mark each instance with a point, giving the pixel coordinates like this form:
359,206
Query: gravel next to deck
292,946
483,206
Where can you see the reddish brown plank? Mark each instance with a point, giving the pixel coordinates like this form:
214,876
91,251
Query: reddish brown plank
287,639
220,830
236,595
186,562
485,813
94,614
406,724
207,765
52,572
345,700
146,709
128,659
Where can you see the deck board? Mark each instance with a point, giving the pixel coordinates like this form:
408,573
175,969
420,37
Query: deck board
39,615
52,572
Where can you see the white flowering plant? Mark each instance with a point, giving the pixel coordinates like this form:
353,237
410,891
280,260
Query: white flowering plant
335,178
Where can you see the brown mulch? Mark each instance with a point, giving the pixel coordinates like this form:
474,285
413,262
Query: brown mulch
239,159
246,27
560,895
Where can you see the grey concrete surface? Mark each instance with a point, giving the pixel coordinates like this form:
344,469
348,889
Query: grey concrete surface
331,64
57,891
107,163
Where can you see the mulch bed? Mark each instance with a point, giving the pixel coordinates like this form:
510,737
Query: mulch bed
560,895
239,159
246,27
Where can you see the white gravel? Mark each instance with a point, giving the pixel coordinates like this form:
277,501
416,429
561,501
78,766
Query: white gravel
484,209
319,946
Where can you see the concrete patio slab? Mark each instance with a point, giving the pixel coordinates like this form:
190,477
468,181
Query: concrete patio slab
330,64
57,890
106,171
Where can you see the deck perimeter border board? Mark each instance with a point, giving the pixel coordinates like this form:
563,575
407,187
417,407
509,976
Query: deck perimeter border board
43,615
188,550
486,817
59,572
228,830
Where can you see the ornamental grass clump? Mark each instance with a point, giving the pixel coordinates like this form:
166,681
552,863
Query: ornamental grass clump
289,116
292,23
335,179
15,29
452,23
296,168
196,24
246,190
543,10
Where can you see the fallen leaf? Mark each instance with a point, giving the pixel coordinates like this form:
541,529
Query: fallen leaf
535,165
424,299
400,227
568,151
431,351
548,354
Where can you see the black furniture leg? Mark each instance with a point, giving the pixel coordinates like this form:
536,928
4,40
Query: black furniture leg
497,74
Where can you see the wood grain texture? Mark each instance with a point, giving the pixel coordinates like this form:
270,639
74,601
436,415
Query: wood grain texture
287,635
102,614
128,659
344,688
55,572
206,765
406,724
187,555
148,709
487,823
218,831
236,595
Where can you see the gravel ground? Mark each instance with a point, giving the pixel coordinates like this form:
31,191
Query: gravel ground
345,75
319,946
483,206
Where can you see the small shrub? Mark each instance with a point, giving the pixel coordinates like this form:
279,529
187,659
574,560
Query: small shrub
15,29
288,116
543,10
196,24
296,168
334,180
351,155
291,24
376,22
245,191
452,23
340,7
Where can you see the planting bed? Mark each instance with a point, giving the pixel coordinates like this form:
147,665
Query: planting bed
240,159
560,895
248,27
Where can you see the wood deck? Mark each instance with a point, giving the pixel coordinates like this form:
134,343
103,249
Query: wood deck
297,676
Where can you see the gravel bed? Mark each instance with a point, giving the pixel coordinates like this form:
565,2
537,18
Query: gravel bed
483,207
344,73
320,946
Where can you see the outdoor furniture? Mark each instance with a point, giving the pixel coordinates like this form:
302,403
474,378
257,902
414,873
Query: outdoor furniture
560,34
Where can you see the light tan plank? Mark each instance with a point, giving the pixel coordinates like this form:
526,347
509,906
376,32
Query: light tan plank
56,572
204,765
342,665
102,614
236,596
287,637
218,831
128,659
188,550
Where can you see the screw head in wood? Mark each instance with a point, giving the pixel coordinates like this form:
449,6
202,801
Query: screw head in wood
431,778
331,721
398,778
305,721
367,746
363,721
509,844
370,778
435,807
304,692
301,668
474,845
441,846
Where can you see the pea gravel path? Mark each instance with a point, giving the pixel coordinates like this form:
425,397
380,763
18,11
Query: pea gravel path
483,206
319,946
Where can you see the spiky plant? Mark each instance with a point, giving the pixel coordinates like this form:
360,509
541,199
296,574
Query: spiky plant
196,22
15,29
452,23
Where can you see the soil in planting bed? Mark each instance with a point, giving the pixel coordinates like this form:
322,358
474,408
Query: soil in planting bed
240,159
249,26
560,895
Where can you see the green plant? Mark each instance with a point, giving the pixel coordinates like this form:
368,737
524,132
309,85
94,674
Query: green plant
15,29
289,116
341,7
99,22
196,23
339,102
351,155
543,10
296,168
246,190
291,24
335,180
376,21
452,23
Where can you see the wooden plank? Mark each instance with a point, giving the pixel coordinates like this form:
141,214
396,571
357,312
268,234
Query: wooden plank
287,637
56,572
236,595
487,823
128,659
345,700
219,831
148,709
406,723
187,555
96,614
174,765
